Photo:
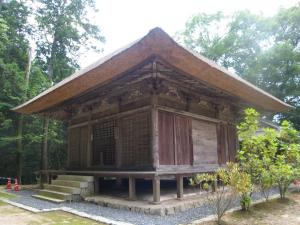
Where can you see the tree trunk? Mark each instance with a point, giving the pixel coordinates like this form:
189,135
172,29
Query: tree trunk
19,154
44,152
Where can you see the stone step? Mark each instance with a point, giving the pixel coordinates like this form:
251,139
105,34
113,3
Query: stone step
42,197
76,178
65,189
69,183
56,194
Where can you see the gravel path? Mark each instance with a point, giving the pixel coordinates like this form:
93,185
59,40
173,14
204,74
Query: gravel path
24,197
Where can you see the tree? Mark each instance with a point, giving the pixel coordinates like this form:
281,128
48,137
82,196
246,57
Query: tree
262,50
64,30
14,70
270,158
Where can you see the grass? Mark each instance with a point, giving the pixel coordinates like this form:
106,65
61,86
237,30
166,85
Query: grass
12,215
6,195
59,217
273,212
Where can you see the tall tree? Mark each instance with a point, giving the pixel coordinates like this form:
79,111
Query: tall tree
64,32
263,50
14,72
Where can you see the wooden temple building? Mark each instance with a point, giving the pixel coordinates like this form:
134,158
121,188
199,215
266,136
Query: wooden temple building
150,110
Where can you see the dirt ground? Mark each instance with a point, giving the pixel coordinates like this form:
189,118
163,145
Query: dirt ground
274,212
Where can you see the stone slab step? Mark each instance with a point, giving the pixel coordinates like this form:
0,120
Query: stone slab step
76,178
65,189
70,183
55,200
56,194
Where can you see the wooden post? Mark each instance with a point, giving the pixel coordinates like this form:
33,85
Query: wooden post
96,184
89,143
156,189
179,182
44,151
154,137
132,193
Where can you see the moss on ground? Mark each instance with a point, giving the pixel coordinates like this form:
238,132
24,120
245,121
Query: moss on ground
59,217
275,212
6,195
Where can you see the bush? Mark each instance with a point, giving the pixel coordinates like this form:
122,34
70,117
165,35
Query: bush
223,187
269,158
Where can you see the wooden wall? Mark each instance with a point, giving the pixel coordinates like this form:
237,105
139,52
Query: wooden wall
111,129
204,142
116,142
185,140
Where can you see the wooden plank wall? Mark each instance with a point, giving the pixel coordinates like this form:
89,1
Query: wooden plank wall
204,142
187,141
117,142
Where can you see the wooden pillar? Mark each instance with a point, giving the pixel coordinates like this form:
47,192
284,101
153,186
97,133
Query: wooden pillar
89,142
154,137
132,191
179,183
96,183
156,189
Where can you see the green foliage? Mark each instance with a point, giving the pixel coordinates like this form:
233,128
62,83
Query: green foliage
270,158
263,50
223,186
64,32
283,174
60,29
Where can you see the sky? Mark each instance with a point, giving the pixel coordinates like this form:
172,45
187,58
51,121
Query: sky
123,21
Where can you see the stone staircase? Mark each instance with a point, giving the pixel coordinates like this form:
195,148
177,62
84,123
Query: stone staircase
67,188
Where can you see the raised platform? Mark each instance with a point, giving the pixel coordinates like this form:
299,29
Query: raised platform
155,176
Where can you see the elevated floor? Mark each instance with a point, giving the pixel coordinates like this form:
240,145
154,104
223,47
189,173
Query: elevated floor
131,178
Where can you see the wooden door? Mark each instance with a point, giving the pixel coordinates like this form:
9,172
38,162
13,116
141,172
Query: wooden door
78,145
175,141
74,148
182,139
232,142
84,136
222,144
166,138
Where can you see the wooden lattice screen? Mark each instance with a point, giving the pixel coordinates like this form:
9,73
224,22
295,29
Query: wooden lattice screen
135,135
104,143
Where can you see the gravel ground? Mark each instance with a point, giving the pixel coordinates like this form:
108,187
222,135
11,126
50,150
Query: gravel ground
24,197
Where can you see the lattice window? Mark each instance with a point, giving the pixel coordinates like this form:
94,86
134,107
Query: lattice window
104,143
135,140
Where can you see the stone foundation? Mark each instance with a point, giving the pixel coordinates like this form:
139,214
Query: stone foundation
167,207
